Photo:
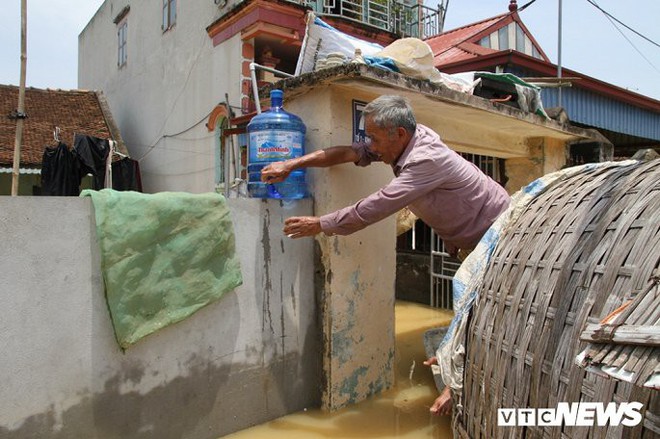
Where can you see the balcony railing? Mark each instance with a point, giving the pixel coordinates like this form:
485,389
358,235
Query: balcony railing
406,20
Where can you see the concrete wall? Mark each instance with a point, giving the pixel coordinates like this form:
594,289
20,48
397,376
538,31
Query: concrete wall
171,81
249,357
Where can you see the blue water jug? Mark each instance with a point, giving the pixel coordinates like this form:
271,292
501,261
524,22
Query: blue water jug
275,135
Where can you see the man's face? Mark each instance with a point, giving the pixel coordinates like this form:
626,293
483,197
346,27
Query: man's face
388,143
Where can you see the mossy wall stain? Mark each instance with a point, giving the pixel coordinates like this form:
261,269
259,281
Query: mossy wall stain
350,384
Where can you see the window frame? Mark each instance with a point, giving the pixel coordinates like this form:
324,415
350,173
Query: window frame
168,15
122,43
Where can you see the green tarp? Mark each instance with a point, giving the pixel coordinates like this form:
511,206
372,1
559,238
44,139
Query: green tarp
163,256
529,95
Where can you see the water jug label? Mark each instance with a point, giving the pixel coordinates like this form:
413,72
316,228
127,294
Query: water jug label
275,145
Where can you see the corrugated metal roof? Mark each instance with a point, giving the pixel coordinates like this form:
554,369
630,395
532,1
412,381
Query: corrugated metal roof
20,170
589,108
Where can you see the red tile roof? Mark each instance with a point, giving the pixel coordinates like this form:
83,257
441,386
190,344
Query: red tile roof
463,51
446,48
461,44
73,111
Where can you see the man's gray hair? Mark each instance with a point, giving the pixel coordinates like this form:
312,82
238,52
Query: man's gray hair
390,111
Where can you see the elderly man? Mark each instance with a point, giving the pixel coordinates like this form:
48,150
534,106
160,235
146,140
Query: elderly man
447,192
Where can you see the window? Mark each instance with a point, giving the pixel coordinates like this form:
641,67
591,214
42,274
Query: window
503,37
122,34
485,41
169,14
520,39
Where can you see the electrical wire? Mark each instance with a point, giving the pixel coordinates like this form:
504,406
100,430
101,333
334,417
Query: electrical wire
183,87
151,147
613,20
196,139
634,47
612,17
180,174
169,148
165,136
525,6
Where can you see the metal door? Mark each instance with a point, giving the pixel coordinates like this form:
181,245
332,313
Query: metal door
442,266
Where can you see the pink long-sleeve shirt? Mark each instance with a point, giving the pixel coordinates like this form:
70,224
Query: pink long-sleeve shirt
449,193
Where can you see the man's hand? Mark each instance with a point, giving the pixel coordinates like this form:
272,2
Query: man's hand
300,226
275,172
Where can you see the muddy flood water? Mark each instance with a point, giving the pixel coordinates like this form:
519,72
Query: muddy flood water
402,412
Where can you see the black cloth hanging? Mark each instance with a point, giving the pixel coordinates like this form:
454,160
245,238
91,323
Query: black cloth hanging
126,175
92,153
60,172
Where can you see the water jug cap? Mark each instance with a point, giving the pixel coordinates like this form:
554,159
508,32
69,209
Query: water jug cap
276,98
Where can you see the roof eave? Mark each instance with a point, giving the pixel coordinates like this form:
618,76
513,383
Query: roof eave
550,69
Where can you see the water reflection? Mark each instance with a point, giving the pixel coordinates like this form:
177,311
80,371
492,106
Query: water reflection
402,412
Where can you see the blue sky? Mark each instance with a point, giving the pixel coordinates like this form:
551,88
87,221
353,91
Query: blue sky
591,44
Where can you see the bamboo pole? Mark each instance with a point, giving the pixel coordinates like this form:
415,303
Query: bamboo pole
21,102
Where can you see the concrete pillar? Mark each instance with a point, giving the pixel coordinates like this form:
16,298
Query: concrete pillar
544,156
356,273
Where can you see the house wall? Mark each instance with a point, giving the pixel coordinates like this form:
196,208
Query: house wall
26,182
161,98
247,358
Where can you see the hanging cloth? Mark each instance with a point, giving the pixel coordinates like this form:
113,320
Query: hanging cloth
108,165
126,175
92,153
60,172
164,256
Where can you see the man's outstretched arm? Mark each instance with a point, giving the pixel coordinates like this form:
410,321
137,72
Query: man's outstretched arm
279,171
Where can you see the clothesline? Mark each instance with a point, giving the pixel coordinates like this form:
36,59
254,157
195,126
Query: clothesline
63,169
56,136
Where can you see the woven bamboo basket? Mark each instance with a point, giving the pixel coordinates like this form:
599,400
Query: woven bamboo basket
579,251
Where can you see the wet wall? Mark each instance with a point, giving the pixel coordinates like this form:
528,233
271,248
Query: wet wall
252,356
